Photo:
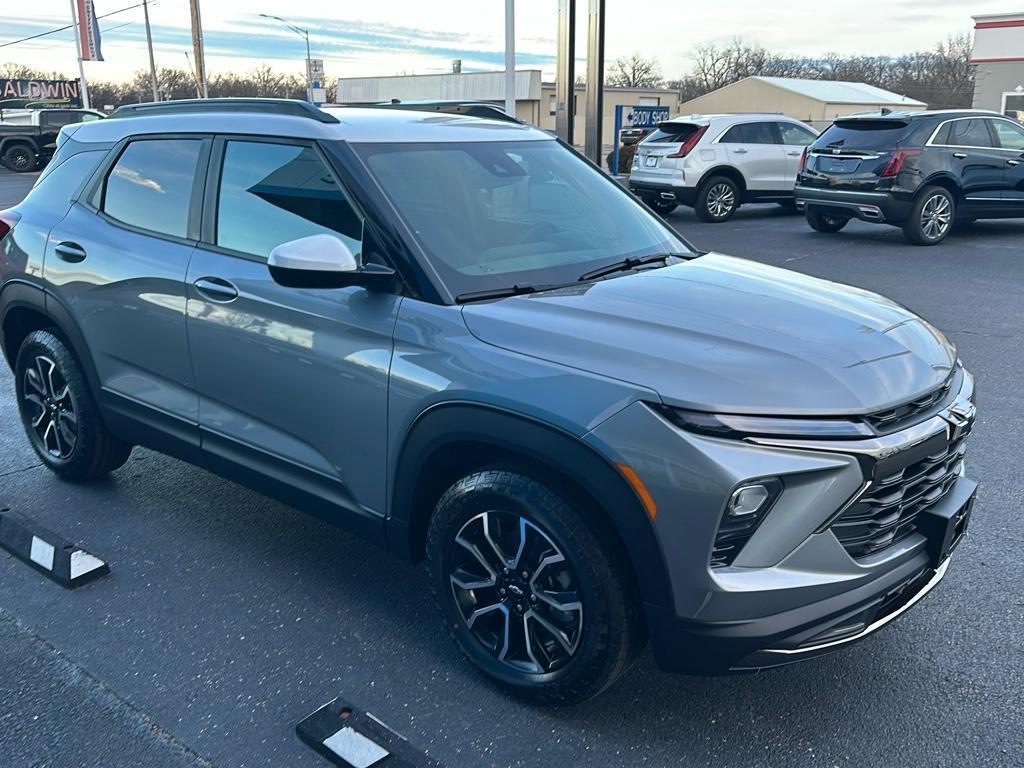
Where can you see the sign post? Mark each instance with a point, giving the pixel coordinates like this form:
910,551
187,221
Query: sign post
636,117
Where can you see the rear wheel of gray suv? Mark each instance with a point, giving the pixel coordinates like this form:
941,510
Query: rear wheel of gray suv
932,216
717,199
528,591
821,222
59,414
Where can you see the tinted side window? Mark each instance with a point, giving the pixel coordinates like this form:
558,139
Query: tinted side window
1010,136
750,133
796,134
63,177
150,185
273,193
969,133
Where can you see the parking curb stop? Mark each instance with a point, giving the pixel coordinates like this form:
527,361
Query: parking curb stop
49,553
351,738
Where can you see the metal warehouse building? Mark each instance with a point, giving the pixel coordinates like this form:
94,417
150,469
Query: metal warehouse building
999,59
535,99
817,102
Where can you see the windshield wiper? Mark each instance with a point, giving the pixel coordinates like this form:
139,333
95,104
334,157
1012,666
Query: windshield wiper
629,263
499,293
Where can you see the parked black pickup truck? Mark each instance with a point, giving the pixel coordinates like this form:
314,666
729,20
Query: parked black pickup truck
28,137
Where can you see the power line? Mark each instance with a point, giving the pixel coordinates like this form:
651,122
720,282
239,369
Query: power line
68,26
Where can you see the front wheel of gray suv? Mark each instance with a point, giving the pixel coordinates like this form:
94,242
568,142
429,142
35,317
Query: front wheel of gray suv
532,596
59,414
932,216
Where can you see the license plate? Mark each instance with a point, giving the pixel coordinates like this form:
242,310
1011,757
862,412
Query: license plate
650,161
945,531
838,165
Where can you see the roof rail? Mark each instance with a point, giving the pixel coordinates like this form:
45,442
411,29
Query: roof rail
483,109
292,107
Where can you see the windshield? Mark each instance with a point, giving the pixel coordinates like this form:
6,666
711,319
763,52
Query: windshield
491,215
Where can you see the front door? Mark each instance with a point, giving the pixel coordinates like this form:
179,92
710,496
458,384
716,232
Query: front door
795,139
117,263
1010,136
292,382
754,148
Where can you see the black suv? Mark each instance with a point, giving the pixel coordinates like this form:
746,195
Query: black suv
922,171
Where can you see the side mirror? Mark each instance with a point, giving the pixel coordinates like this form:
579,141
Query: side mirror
324,261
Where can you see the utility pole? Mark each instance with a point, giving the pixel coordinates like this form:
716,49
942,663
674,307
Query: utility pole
78,50
595,82
565,71
510,57
149,43
197,45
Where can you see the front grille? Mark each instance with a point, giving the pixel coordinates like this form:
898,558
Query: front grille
902,486
894,418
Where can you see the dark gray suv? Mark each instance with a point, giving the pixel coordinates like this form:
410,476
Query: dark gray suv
457,338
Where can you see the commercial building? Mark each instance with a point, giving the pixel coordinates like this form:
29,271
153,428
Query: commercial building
817,102
535,99
999,63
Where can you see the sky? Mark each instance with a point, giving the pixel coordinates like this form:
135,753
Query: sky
393,37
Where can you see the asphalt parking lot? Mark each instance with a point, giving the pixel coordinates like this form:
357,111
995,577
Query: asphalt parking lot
228,617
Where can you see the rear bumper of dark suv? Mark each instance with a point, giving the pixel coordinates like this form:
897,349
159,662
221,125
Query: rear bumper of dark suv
713,648
878,207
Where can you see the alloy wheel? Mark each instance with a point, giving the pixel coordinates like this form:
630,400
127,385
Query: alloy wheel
50,408
936,216
720,200
516,591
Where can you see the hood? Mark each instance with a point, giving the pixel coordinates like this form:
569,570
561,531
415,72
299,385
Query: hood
726,334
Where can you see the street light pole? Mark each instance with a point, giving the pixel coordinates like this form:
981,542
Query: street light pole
149,44
304,33
510,57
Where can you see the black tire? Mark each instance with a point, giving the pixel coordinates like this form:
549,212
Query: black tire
932,216
600,638
20,158
821,222
662,207
59,413
718,198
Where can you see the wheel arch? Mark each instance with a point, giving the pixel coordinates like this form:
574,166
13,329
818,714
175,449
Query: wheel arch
452,439
25,307
728,171
11,141
948,182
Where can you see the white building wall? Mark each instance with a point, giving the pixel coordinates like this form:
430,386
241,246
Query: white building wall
468,86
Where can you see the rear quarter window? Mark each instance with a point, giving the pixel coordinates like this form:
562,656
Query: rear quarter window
54,191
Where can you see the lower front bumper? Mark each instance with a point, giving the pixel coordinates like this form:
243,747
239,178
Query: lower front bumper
718,647
715,648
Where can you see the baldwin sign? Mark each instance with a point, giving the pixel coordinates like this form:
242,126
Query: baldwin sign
20,94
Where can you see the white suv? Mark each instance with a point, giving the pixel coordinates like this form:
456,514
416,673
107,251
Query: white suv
716,162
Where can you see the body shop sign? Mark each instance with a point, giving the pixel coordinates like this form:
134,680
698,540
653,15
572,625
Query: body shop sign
33,93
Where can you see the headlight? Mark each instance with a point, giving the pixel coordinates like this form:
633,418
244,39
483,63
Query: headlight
738,425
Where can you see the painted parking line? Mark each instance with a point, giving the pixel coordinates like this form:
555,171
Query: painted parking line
49,553
351,738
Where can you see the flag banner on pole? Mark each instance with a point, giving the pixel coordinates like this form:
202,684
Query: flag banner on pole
88,31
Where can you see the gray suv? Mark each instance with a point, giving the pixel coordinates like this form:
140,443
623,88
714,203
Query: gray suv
460,340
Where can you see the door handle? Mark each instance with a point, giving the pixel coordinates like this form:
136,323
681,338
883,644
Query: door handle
960,155
71,252
740,151
216,289
794,154
1013,162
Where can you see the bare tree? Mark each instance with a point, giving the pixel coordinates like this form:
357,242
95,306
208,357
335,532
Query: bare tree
634,72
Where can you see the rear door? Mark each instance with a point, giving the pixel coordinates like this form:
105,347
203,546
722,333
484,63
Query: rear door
1010,137
974,157
117,262
756,149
